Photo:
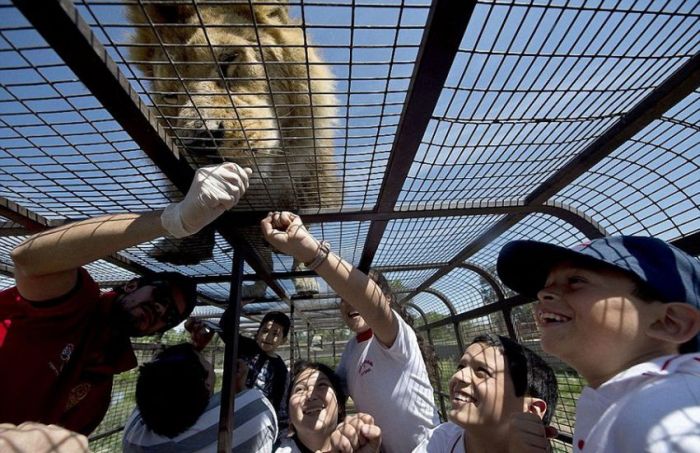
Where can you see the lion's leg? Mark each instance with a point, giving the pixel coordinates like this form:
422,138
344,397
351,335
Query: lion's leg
305,286
257,290
186,251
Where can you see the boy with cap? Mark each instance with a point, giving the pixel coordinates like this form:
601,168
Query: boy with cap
625,313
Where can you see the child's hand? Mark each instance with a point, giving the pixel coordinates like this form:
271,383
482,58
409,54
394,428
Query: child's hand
286,232
528,434
199,334
358,434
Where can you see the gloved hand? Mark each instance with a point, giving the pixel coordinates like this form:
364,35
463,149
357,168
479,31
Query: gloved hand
215,189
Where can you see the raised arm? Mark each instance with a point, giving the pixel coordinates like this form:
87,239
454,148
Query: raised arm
286,232
46,264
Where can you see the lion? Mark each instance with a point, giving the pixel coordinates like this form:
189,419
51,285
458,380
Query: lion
238,82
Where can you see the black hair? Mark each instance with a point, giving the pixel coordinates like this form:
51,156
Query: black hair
531,375
185,284
336,383
279,318
426,349
171,391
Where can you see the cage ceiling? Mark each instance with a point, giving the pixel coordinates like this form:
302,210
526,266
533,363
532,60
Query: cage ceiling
438,131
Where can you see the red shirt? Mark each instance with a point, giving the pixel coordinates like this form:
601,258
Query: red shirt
58,358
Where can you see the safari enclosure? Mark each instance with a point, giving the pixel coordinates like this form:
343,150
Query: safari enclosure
416,137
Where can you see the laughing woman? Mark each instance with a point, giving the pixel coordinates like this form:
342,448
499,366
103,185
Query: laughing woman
316,406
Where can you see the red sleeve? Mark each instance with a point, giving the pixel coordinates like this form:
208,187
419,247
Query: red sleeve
41,350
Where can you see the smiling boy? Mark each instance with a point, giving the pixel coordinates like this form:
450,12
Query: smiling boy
503,396
267,370
624,312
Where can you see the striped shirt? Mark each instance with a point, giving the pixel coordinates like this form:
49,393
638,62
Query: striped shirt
254,429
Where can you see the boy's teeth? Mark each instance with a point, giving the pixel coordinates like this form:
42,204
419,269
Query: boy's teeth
553,317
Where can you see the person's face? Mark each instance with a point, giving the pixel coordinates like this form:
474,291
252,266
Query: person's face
352,317
482,391
590,318
313,405
149,308
270,336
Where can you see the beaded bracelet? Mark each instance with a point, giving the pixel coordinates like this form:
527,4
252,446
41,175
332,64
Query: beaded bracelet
324,248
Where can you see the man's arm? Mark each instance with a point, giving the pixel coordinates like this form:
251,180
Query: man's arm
286,232
46,264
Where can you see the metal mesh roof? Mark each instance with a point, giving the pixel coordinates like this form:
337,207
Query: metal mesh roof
436,131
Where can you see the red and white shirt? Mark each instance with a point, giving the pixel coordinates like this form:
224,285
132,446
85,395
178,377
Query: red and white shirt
57,358
651,407
392,385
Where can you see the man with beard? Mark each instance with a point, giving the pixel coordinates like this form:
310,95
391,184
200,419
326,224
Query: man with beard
61,340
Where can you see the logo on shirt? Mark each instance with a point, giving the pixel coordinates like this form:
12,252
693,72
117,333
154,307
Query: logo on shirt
365,367
65,358
77,393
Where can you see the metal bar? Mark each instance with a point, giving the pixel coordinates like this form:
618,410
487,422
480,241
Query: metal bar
492,233
478,312
106,433
73,40
413,211
12,229
71,37
690,244
683,82
7,271
232,320
445,28
509,324
34,223
680,84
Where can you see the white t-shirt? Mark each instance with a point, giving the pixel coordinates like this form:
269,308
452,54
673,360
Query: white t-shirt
446,438
254,429
288,446
651,407
391,385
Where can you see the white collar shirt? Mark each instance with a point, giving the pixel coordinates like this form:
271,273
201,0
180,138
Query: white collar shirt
651,407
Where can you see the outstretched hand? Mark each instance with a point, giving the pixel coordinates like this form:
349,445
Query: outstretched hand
215,189
199,334
357,434
286,232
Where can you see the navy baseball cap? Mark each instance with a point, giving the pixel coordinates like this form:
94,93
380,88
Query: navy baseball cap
672,274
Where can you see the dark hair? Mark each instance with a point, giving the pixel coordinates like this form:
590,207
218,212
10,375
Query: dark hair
171,391
646,293
185,284
426,350
279,318
336,383
531,375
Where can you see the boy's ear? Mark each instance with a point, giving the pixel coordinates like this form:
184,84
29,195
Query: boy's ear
535,406
677,323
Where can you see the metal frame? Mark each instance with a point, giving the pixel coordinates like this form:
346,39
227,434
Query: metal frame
79,46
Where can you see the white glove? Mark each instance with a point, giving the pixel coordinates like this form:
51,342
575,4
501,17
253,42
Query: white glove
215,189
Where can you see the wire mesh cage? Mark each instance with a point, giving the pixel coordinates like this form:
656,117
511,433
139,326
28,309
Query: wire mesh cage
417,137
